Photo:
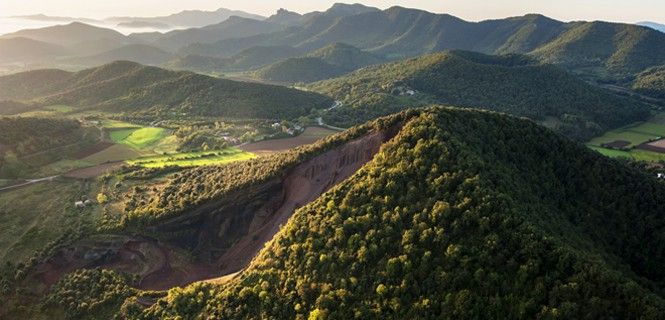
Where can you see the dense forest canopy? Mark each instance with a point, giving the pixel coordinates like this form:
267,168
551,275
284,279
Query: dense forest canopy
651,82
464,214
328,62
510,83
306,69
30,142
28,135
605,50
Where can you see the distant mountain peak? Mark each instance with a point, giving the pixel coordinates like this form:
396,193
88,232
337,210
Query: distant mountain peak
356,8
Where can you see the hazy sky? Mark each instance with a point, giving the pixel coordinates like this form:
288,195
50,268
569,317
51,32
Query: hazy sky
611,10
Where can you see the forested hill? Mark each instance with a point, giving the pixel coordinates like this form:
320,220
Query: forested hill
651,82
30,142
329,62
600,50
604,49
509,83
131,87
464,214
27,135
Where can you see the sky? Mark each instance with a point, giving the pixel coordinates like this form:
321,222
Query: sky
474,10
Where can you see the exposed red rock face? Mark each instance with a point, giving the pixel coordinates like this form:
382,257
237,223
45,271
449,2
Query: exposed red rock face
224,235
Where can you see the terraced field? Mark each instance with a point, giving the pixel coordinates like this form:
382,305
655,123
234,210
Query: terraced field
193,159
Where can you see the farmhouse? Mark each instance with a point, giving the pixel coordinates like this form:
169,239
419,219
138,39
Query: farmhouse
83,203
661,176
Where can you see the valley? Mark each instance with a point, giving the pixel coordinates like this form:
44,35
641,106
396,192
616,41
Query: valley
348,163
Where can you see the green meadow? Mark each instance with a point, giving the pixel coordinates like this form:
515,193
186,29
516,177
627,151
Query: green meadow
139,138
194,159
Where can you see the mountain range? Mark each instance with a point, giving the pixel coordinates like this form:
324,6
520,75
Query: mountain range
599,51
134,88
69,34
187,18
400,32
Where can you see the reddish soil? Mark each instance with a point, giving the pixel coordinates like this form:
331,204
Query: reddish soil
157,265
301,186
101,146
656,146
161,266
169,275
92,172
617,144
311,135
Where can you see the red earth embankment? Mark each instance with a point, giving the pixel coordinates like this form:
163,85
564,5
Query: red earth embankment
220,237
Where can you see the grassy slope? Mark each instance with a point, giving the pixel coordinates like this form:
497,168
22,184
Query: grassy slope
139,138
35,215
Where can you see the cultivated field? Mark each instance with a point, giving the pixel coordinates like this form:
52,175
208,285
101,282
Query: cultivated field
311,135
633,141
193,159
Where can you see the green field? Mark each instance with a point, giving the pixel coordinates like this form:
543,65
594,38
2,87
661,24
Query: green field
61,166
194,159
139,138
115,153
636,135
